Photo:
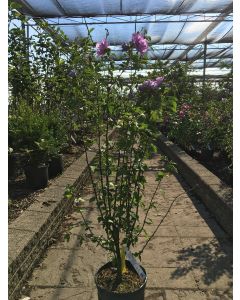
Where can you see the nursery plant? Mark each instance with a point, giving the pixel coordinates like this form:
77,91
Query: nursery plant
117,174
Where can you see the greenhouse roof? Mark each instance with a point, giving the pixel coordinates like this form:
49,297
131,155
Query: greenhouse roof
178,28
70,8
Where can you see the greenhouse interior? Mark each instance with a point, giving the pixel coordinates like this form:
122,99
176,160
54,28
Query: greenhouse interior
120,149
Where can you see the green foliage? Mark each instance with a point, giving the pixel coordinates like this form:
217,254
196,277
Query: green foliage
30,130
207,125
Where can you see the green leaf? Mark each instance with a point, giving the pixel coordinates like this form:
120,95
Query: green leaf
171,167
93,168
160,175
67,237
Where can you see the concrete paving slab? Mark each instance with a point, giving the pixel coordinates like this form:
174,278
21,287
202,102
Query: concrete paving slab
31,220
70,268
187,218
198,231
156,217
207,247
163,231
185,295
76,233
166,251
217,276
63,294
220,295
164,278
44,205
210,263
156,294
20,238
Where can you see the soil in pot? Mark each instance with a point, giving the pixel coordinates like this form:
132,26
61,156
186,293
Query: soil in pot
37,176
55,166
131,287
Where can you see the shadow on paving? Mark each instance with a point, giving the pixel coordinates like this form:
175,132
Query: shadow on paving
210,258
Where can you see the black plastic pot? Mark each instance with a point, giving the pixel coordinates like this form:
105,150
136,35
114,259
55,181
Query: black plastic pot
206,154
16,161
55,166
12,167
108,295
37,176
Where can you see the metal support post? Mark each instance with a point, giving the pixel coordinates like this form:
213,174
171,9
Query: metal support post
204,69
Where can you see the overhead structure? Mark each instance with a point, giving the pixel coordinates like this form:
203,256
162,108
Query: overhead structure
197,31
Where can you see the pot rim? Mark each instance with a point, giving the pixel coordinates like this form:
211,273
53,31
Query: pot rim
115,293
40,166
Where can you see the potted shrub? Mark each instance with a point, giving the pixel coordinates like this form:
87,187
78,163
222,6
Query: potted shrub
36,170
55,158
118,182
57,140
117,175
56,165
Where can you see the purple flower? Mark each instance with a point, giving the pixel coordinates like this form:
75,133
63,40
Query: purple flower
146,85
101,47
151,84
185,106
140,42
159,80
181,114
184,110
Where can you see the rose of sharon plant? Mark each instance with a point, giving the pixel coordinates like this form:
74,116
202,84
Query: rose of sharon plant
117,175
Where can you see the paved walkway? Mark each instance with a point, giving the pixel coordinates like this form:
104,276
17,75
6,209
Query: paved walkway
190,257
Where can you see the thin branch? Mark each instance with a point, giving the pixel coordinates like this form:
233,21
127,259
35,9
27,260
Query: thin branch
152,235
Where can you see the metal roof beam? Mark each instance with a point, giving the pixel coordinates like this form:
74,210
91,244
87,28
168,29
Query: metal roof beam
221,51
60,7
208,29
141,22
184,4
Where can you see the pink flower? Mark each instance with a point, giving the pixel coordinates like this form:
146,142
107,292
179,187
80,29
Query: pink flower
184,109
181,114
186,106
159,81
151,84
101,47
140,42
147,85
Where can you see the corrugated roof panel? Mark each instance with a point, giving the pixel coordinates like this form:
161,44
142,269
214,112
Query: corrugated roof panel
119,7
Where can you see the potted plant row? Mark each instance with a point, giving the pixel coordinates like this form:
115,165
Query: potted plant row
44,162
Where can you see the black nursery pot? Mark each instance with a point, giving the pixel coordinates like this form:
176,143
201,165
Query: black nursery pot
12,166
55,166
37,176
108,295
